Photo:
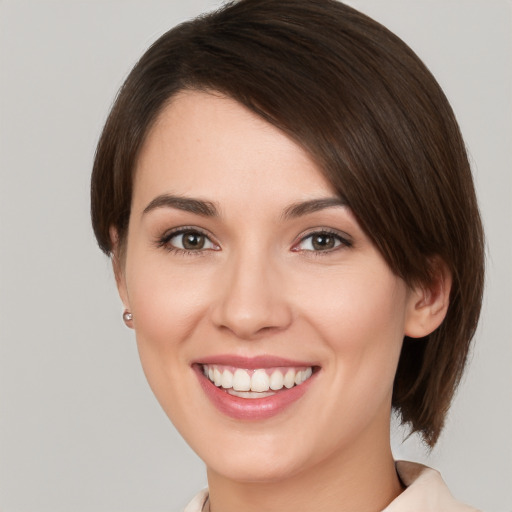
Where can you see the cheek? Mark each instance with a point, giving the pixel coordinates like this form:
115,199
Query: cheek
359,321
359,316
354,300
165,301
167,305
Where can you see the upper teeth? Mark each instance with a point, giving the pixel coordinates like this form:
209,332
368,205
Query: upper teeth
260,380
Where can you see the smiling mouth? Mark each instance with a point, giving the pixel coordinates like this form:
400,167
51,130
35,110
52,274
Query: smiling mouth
255,383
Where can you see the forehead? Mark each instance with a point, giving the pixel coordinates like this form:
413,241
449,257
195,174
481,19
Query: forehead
206,144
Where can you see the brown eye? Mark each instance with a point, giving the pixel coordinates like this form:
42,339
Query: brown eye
323,241
187,240
193,241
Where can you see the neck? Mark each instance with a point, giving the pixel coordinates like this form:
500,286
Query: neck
365,481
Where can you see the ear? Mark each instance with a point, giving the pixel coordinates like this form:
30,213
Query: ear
428,304
118,267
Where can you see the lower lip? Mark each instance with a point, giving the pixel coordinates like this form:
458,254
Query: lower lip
251,408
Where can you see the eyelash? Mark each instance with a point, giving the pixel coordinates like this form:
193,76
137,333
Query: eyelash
344,242
164,241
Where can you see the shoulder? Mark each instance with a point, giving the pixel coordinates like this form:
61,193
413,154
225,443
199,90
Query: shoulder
199,502
425,491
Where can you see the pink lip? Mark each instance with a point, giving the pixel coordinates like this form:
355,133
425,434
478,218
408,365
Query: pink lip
256,408
252,363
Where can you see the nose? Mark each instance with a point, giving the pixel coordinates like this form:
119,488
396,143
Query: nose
252,299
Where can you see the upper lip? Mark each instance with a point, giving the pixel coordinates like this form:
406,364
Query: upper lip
252,363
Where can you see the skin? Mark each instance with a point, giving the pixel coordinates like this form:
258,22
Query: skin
259,287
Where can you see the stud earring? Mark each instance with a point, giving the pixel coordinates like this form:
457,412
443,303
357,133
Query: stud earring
127,317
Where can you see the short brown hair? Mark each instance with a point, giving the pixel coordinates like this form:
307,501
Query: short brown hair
369,112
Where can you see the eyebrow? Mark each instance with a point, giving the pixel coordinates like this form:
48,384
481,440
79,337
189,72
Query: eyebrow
314,205
187,204
208,209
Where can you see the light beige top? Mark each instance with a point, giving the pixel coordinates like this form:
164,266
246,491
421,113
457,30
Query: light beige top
425,492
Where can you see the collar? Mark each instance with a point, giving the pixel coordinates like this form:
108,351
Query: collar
425,492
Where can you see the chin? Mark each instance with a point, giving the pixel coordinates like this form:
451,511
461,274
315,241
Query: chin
255,468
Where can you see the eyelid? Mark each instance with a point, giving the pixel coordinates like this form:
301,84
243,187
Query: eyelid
344,239
163,240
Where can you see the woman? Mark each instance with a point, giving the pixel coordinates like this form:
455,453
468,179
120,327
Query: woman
290,212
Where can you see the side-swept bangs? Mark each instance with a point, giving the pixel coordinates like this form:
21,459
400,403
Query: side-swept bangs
359,100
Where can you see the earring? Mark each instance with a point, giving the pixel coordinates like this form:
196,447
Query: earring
127,317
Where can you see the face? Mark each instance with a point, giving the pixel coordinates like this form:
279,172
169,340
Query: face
243,264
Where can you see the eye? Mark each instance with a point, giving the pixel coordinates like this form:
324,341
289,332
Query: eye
187,240
321,241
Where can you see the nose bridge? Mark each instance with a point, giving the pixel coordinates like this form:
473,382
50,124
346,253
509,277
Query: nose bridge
252,298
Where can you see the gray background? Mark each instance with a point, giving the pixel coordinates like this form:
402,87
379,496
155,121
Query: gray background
79,428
